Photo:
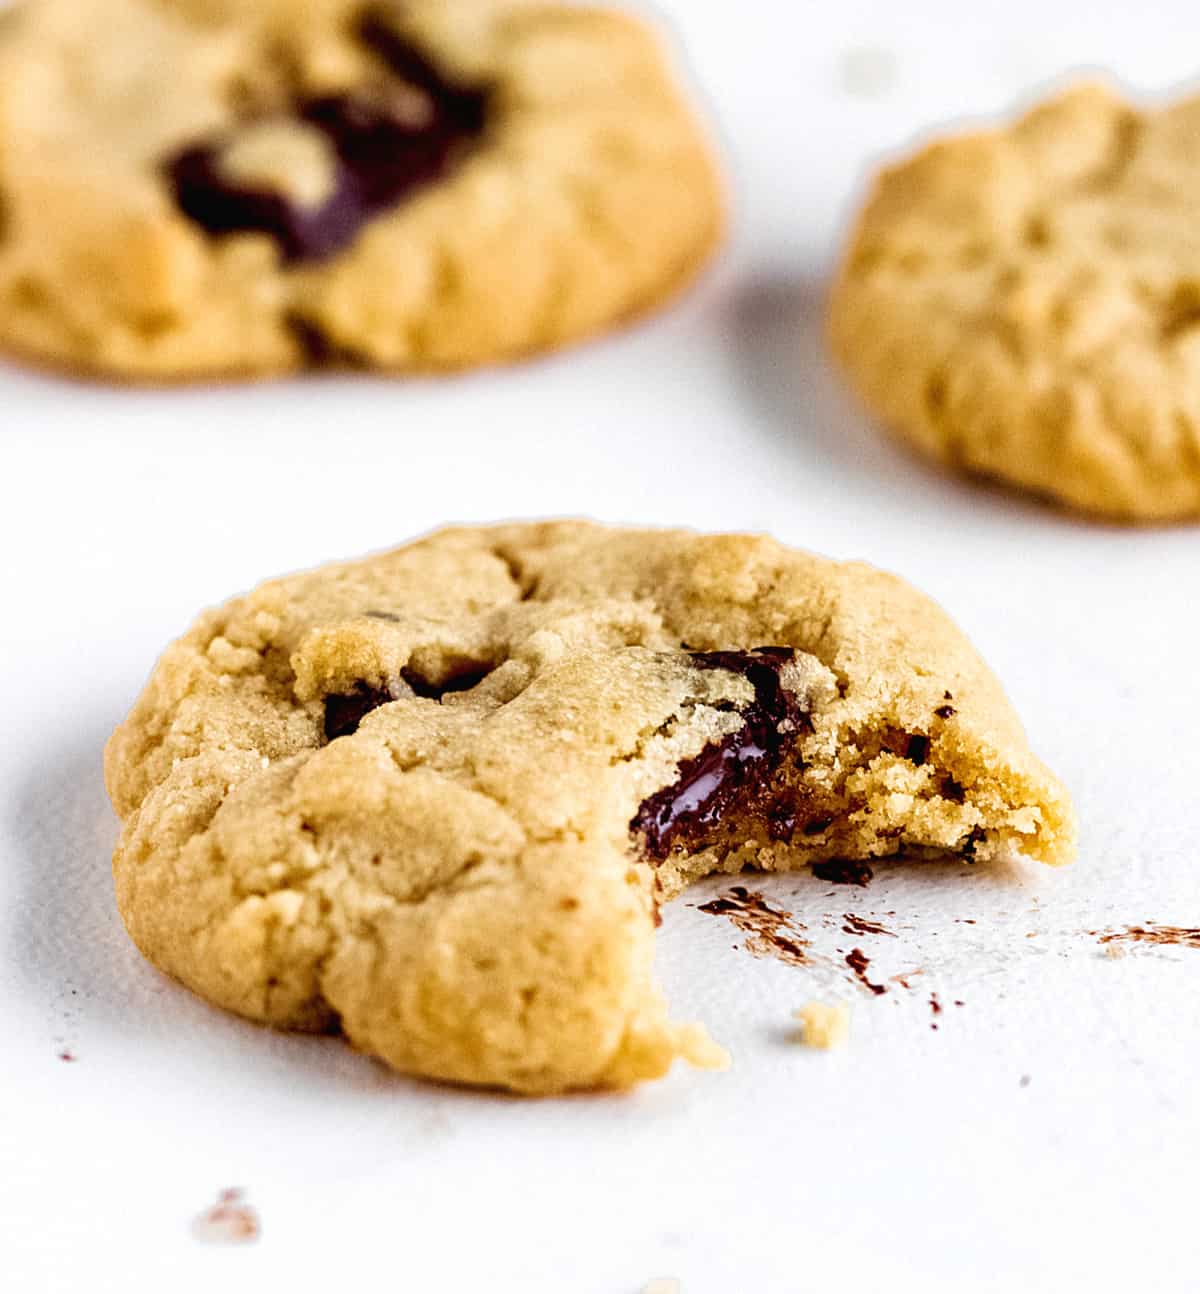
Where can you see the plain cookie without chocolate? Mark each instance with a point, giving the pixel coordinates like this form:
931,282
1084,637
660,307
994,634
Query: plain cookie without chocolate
211,188
1023,303
435,797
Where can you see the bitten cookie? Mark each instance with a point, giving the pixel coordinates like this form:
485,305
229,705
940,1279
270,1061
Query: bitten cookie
434,797
1023,303
193,188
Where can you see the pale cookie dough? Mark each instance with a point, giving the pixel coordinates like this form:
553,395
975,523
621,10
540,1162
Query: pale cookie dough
198,188
1024,303
434,797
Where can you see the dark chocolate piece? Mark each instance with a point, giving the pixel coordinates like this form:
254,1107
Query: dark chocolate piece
735,769
953,790
844,871
344,711
382,156
917,749
463,681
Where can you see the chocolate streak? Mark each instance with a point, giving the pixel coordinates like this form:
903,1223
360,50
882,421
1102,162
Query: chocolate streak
763,925
858,962
380,159
734,771
1152,933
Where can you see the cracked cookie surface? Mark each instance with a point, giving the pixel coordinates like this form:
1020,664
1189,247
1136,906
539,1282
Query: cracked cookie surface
435,797
1024,303
198,188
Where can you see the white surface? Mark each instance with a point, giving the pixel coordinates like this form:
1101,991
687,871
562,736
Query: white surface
914,1160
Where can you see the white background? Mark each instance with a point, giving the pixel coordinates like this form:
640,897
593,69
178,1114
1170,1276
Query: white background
913,1160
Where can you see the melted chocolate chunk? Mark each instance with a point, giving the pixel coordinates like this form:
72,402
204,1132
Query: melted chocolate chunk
917,749
344,711
734,770
381,157
945,712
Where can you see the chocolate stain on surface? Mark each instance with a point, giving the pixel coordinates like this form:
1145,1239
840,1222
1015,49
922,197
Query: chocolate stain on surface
1152,933
844,871
763,925
855,925
936,1007
230,1221
67,1056
858,962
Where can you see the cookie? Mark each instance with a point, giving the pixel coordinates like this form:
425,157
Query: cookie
1023,304
198,188
434,798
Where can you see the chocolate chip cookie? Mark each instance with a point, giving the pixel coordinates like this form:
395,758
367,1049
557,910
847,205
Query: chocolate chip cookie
434,798
194,188
1024,303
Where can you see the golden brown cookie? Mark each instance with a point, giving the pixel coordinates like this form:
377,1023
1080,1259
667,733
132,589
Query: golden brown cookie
194,188
1023,303
435,797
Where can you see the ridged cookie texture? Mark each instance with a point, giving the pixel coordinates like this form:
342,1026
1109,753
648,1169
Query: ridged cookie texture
1024,303
434,798
199,188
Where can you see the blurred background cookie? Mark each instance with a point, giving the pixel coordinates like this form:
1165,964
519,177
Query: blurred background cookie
1024,303
199,188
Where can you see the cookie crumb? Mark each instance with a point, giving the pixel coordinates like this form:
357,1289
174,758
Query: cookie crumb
824,1026
663,1285
1114,952
229,1221
694,1045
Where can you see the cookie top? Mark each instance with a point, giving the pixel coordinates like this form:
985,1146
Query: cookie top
434,797
1023,303
200,188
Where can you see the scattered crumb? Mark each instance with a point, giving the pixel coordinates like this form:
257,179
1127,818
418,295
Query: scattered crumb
1025,1080
68,1056
228,1222
663,1285
957,1002
825,1027
1114,952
